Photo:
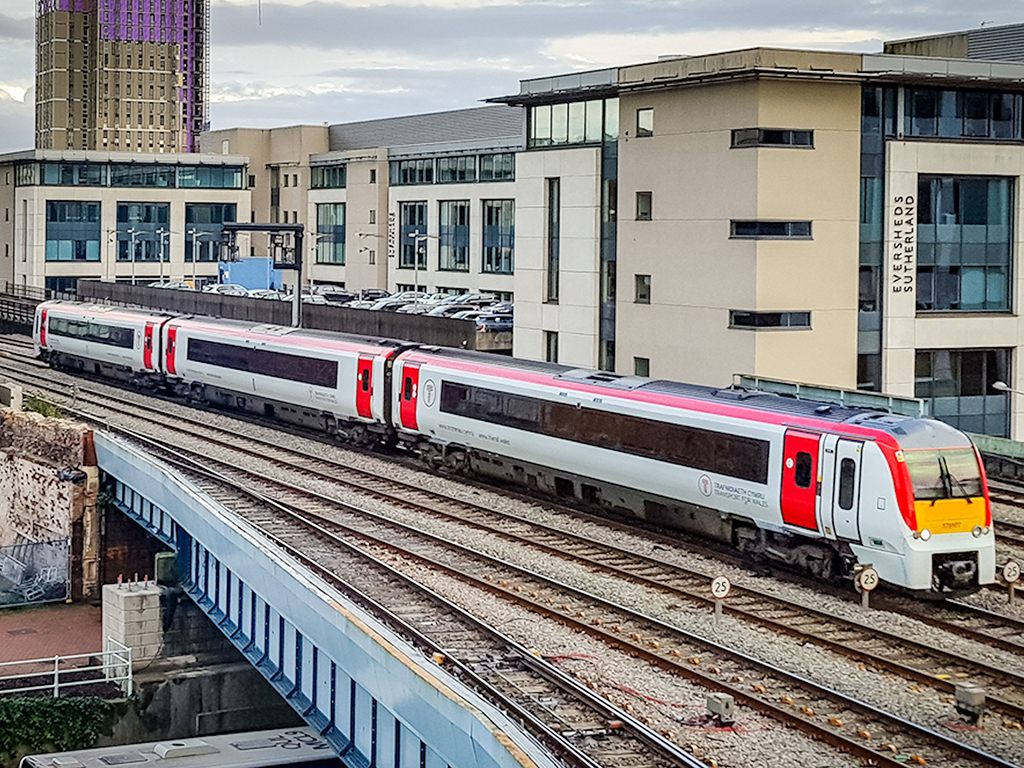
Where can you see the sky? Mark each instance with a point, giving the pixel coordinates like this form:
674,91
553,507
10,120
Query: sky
285,62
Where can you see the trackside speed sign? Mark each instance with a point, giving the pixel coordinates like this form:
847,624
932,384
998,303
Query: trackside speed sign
867,579
720,587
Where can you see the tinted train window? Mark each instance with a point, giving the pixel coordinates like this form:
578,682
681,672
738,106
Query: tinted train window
732,455
100,333
364,378
802,473
847,475
308,370
408,388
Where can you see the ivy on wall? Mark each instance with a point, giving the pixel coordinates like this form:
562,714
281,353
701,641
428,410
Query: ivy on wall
44,724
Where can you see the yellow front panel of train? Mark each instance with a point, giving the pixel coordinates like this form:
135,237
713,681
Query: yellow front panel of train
950,515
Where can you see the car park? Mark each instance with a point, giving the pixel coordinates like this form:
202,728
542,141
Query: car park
416,308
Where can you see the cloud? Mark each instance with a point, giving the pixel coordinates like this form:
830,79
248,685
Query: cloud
17,122
17,29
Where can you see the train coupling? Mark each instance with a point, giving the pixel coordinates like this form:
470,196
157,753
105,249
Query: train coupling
956,571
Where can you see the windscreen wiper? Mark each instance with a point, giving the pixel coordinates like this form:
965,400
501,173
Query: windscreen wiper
949,479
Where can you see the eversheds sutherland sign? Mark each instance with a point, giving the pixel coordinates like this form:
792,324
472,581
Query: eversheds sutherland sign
904,243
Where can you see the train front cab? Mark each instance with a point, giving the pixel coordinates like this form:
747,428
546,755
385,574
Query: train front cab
950,543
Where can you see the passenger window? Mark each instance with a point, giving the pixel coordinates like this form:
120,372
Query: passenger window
407,394
802,474
365,379
847,472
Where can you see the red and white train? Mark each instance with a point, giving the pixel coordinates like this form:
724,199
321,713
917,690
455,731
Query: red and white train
817,485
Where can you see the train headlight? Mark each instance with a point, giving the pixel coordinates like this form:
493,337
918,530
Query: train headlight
926,534
978,531
985,530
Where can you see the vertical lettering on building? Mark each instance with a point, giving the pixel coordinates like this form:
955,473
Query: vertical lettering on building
392,235
904,243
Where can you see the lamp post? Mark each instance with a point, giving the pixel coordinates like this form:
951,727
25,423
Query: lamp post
165,235
196,234
417,238
133,234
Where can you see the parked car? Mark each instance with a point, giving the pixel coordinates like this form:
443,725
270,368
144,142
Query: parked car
361,305
437,298
506,308
373,294
226,289
410,295
447,309
416,308
264,293
468,314
338,296
173,285
494,323
390,304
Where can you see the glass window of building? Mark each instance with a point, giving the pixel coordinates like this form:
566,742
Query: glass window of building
958,385
204,223
962,114
964,243
551,346
771,137
643,289
643,206
641,366
580,122
554,217
328,177
330,230
453,236
499,236
645,122
758,320
499,167
405,172
138,230
770,230
451,170
413,234
73,231
74,174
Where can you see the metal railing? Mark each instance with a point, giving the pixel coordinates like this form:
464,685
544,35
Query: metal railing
53,674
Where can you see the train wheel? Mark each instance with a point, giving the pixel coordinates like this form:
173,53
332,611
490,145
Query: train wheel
824,567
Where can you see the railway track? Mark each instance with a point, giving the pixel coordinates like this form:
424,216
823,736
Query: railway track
578,725
859,642
988,628
816,710
973,623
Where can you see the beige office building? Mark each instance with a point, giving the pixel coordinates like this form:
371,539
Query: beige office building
841,219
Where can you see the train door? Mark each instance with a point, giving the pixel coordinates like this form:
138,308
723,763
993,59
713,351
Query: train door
364,386
800,479
841,487
172,338
409,394
147,347
42,328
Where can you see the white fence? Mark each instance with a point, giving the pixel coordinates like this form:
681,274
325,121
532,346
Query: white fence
112,665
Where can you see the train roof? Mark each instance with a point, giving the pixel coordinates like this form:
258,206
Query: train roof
111,310
912,433
256,749
286,332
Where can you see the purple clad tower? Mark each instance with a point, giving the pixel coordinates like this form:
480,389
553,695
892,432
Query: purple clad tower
122,75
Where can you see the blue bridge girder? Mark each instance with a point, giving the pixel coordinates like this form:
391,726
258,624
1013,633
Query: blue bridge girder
374,697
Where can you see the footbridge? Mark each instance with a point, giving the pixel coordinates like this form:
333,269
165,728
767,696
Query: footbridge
377,699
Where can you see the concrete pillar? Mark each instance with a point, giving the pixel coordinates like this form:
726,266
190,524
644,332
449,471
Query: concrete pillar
132,616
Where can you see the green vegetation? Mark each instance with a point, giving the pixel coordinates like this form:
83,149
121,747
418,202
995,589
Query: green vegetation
45,407
44,724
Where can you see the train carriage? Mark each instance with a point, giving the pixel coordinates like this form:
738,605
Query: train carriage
328,381
817,485
110,341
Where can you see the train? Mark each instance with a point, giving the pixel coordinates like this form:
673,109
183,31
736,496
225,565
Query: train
819,486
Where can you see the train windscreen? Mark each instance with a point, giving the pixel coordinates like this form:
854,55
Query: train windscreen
951,473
